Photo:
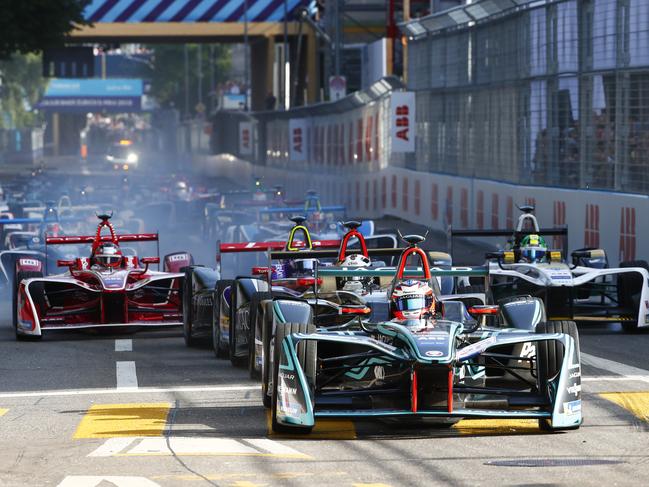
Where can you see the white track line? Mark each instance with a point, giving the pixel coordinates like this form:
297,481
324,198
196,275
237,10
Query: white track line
612,366
126,375
141,390
124,345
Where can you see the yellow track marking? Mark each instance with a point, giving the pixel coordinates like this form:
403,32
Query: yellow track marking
324,429
3,411
496,426
635,402
113,420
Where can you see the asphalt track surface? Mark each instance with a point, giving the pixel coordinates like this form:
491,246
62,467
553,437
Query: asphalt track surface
141,409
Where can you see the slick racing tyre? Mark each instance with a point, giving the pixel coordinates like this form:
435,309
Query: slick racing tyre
37,294
255,331
629,290
550,358
220,350
306,354
234,360
190,340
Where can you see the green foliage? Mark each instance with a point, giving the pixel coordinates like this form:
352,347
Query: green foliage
31,25
22,87
168,77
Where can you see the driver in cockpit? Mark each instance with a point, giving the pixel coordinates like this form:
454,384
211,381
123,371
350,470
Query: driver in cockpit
106,256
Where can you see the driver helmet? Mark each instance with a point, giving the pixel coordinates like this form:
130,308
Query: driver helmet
108,255
533,248
412,300
356,260
356,283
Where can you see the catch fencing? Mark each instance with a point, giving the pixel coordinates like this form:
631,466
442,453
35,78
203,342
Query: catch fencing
509,102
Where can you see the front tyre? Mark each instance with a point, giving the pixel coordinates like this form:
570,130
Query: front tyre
255,332
190,340
220,350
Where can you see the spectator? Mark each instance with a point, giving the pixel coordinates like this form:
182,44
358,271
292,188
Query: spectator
270,102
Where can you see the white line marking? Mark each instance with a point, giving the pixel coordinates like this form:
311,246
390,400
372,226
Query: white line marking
117,481
124,345
611,366
112,447
141,390
126,375
179,445
616,378
271,446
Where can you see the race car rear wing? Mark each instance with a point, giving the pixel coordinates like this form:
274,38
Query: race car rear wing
333,253
388,273
516,235
226,248
89,239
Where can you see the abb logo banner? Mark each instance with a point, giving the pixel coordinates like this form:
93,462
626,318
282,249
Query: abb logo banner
591,228
245,138
402,121
479,215
627,234
494,211
298,142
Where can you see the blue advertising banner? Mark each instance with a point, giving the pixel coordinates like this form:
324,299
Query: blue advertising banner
87,95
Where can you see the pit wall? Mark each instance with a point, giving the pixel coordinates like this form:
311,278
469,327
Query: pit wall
612,221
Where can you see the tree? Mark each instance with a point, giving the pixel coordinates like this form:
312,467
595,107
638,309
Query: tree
29,26
168,77
22,86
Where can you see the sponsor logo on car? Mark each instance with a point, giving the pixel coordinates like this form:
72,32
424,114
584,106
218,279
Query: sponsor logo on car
281,388
434,353
572,407
178,257
29,262
574,389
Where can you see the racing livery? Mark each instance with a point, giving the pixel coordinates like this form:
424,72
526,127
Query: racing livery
584,290
107,289
451,363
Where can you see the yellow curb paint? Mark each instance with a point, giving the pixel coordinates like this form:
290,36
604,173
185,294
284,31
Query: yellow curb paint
635,402
3,411
324,429
496,426
115,420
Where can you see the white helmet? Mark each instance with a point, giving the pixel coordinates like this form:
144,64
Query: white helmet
356,260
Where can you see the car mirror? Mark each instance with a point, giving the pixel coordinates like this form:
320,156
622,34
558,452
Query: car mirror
64,263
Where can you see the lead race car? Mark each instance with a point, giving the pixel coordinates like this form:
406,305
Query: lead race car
431,360
584,290
107,289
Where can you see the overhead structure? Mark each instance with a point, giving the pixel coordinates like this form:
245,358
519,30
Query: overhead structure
265,22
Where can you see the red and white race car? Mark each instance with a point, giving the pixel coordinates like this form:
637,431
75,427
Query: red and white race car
107,289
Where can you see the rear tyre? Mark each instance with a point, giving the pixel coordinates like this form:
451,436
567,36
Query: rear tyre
188,288
234,360
255,313
37,296
550,358
306,354
220,351
629,289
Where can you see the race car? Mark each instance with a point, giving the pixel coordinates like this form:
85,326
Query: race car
204,287
584,290
106,289
432,359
